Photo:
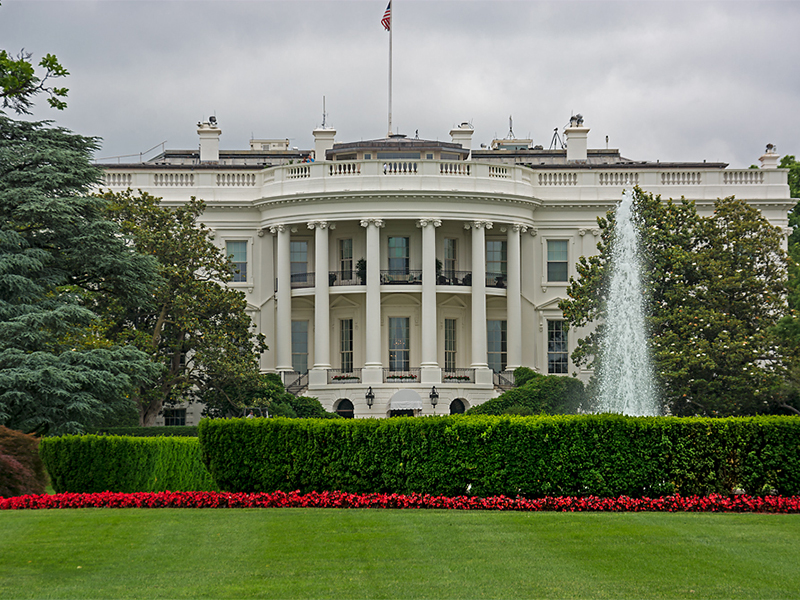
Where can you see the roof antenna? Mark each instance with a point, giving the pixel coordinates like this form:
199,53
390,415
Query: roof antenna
324,114
510,129
556,141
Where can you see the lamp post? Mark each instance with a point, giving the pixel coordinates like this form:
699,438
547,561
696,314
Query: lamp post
434,395
370,396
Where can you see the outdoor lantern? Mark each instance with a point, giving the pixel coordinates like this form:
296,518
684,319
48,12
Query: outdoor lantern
434,396
370,397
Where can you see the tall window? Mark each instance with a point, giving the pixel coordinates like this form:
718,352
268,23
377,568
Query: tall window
346,258
449,345
300,346
398,255
298,255
496,257
496,345
346,347
398,343
557,258
557,359
450,262
238,255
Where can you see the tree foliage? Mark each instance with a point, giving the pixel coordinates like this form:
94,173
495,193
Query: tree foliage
19,83
57,247
198,329
717,288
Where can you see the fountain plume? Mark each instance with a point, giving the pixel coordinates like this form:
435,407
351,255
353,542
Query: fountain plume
626,378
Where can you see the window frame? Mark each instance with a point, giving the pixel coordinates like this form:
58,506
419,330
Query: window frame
248,271
293,344
561,354
401,363
503,351
503,262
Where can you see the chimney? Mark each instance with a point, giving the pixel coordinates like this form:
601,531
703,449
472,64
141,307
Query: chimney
575,136
462,135
769,160
209,140
323,141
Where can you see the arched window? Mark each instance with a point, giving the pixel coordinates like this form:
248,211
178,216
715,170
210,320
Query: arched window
457,407
344,408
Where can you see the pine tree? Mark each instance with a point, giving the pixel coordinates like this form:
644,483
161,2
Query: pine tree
56,249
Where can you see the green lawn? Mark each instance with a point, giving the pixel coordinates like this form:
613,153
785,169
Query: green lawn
326,553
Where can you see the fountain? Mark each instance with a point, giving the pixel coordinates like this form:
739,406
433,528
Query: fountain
627,384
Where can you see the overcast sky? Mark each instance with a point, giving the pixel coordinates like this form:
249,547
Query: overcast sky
665,81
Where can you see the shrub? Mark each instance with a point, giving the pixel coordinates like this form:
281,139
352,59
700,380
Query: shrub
523,375
549,394
602,455
21,470
91,463
181,431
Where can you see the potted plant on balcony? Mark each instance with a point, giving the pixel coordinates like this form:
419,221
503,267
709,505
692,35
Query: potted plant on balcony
454,377
361,271
400,377
345,378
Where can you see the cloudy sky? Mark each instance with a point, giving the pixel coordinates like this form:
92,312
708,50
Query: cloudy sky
663,80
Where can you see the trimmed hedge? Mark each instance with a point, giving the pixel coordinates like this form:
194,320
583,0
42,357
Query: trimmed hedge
91,463
600,455
181,431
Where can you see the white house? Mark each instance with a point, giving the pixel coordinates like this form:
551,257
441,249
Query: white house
468,252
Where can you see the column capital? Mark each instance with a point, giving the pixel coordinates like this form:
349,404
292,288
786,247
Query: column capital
318,225
277,228
429,221
366,222
478,225
534,232
519,227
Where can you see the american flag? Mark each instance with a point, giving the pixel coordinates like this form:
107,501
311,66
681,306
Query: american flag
386,21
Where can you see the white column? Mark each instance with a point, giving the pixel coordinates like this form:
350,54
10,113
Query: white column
372,372
430,371
322,343
479,356
514,297
283,326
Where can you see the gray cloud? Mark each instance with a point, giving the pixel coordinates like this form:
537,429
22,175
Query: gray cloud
664,80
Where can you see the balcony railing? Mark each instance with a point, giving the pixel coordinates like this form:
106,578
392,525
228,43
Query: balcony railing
350,277
395,277
504,380
339,376
401,276
406,376
454,278
302,280
458,376
496,280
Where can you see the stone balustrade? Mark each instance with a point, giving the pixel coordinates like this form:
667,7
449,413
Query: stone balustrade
375,176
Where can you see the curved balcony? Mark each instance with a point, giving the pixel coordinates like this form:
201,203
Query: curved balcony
395,277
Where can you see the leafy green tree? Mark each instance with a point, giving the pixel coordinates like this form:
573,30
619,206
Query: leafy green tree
717,288
195,327
56,247
19,82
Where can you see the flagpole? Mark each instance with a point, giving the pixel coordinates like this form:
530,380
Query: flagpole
391,27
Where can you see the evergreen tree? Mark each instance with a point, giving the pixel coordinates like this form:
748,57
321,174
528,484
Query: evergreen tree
716,289
57,246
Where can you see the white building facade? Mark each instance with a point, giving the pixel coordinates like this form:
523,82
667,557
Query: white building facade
405,276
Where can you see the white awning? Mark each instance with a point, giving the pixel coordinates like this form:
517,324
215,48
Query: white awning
405,400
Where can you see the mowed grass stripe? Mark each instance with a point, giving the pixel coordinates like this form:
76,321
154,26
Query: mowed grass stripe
328,553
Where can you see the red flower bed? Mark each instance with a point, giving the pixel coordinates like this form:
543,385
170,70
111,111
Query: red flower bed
713,503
